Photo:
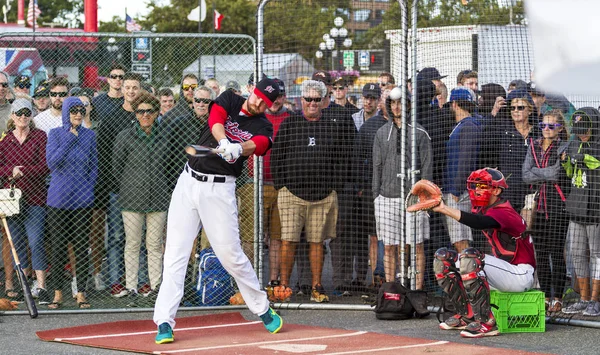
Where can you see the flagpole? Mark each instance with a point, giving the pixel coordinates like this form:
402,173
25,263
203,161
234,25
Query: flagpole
200,43
213,41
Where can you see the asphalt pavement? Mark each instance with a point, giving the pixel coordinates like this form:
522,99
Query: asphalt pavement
17,332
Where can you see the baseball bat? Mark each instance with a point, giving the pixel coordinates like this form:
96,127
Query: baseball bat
201,151
29,302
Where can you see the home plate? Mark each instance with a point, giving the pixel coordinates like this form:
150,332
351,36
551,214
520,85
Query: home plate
295,348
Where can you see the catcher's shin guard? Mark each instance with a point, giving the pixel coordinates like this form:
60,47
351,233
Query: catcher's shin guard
477,287
449,279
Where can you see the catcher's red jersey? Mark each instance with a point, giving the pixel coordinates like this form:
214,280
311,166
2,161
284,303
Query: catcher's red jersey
508,242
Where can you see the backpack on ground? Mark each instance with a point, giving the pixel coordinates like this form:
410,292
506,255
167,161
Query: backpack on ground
215,285
396,302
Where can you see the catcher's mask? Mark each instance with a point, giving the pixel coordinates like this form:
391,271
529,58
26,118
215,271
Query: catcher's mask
480,184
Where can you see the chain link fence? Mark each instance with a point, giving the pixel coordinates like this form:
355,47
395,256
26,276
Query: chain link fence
331,225
93,214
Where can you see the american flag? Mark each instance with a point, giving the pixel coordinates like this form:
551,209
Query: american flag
131,25
33,11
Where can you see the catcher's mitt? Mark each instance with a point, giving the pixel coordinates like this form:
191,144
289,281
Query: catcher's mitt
424,195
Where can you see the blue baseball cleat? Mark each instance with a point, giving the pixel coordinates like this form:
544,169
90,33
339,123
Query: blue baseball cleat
272,321
165,334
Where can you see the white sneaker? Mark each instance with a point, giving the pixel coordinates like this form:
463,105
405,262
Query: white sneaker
576,307
35,289
74,286
593,309
98,283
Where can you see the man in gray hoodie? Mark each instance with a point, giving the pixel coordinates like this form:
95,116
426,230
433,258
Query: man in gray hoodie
386,188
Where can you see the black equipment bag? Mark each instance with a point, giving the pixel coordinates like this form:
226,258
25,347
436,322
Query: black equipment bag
396,302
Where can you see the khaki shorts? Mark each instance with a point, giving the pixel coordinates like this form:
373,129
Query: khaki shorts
318,218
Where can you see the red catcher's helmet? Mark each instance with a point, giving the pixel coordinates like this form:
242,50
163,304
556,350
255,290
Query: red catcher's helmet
484,179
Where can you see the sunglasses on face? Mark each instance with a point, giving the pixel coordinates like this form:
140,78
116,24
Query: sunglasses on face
23,112
478,185
202,101
551,126
24,86
4,85
117,76
187,87
338,88
384,84
518,108
148,111
58,94
312,99
77,110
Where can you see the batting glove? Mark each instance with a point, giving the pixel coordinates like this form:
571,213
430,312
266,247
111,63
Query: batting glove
222,144
232,153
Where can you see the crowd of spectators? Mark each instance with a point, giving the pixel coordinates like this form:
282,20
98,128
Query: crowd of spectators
97,171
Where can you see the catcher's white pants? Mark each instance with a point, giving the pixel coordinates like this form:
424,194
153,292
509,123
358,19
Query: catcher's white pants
212,205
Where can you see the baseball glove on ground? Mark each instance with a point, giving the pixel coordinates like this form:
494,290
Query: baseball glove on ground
424,195
6,305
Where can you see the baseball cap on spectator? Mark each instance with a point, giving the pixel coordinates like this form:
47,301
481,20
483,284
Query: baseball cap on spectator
22,81
232,84
430,73
520,94
462,93
281,86
19,104
371,90
518,84
43,89
534,90
581,122
322,76
268,90
340,81
77,91
251,78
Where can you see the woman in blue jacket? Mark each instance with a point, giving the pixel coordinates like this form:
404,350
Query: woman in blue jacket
73,161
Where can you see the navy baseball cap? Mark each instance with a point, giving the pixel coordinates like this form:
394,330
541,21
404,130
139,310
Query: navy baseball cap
462,93
371,90
581,122
430,73
42,90
22,81
268,90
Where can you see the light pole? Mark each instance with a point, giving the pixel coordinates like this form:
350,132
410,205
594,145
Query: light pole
335,39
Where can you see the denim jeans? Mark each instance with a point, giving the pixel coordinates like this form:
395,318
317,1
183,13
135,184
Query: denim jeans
27,228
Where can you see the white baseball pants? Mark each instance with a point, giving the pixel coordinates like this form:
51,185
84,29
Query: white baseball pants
211,205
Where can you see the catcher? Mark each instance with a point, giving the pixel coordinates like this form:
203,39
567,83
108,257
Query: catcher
467,277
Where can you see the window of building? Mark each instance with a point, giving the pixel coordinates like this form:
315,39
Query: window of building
362,15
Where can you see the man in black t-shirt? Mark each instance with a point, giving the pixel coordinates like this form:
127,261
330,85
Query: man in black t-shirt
204,197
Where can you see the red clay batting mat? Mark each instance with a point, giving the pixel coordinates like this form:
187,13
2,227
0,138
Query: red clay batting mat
230,333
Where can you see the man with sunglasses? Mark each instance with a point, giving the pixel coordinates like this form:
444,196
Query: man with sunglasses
205,197
52,117
22,85
184,106
106,103
386,81
303,163
340,92
467,277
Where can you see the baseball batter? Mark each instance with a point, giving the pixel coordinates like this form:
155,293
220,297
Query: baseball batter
205,197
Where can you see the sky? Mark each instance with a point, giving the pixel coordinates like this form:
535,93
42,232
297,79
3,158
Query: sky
135,8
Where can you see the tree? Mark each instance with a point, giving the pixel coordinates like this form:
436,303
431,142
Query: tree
65,13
